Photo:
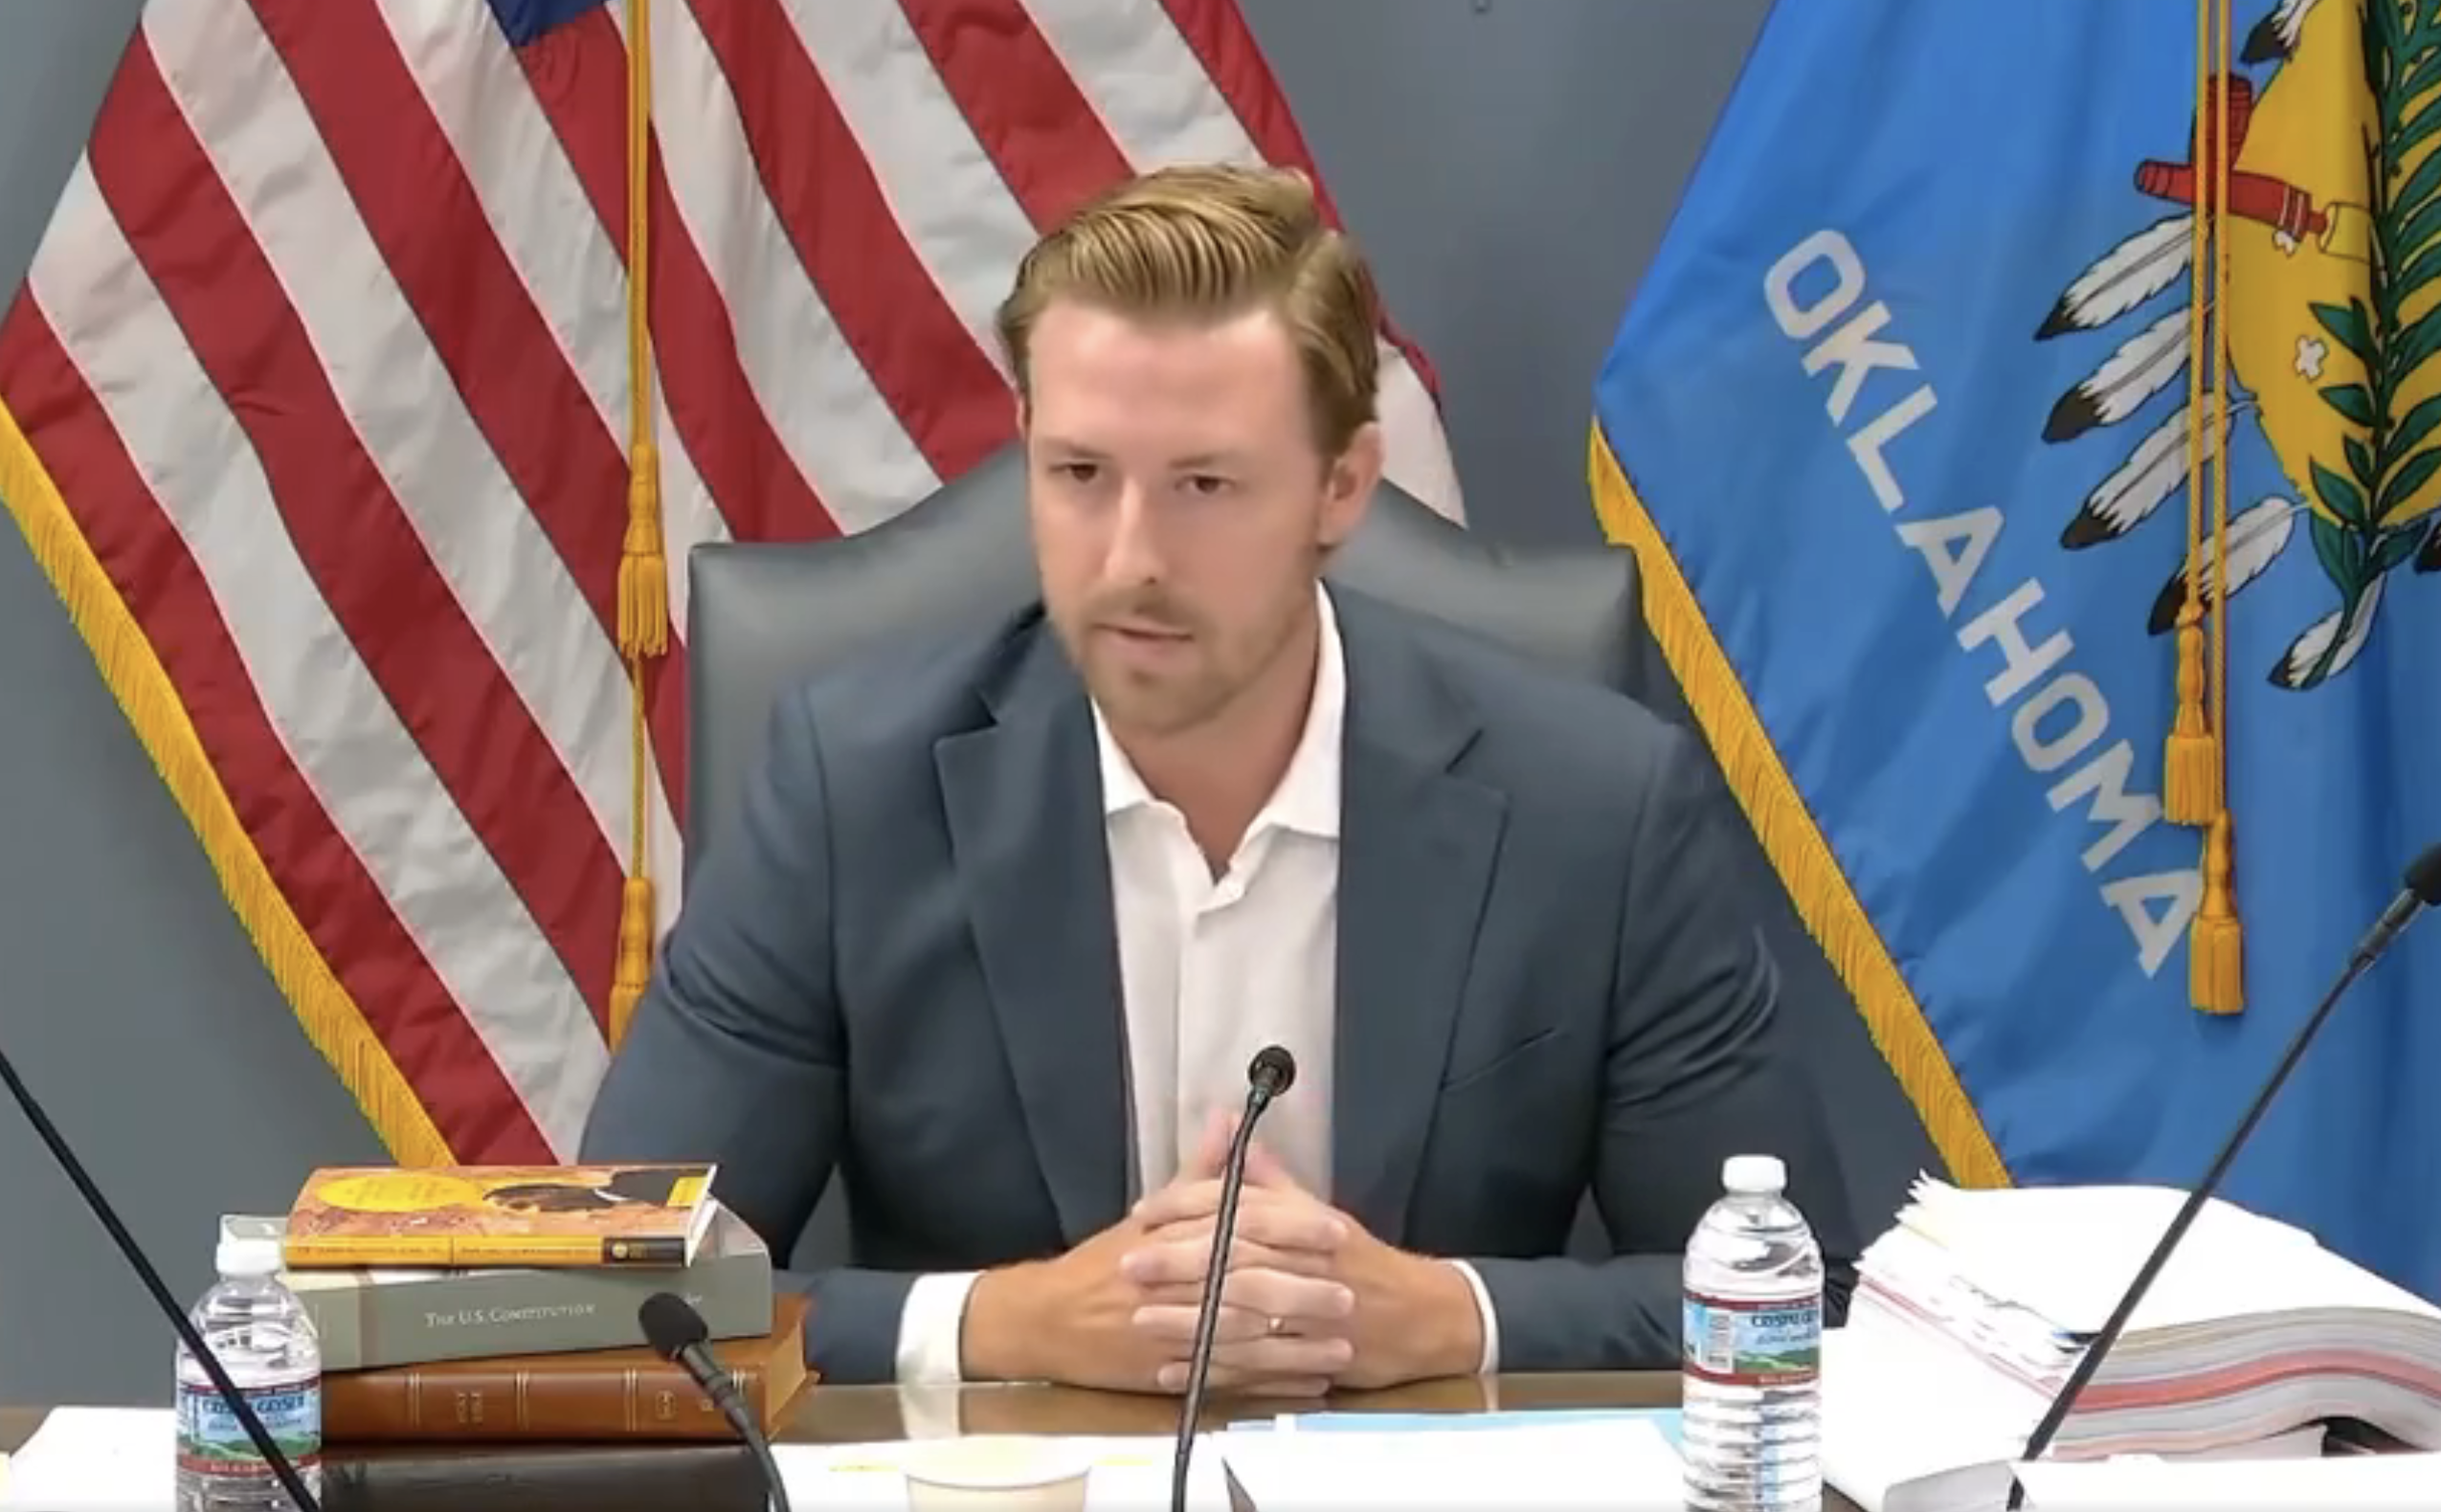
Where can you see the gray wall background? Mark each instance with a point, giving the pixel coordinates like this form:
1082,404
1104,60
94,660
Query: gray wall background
1511,165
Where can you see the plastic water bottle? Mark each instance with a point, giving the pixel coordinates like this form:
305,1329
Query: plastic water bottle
1752,1350
264,1340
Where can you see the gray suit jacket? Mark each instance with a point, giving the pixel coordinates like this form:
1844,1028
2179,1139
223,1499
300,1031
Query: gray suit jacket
901,964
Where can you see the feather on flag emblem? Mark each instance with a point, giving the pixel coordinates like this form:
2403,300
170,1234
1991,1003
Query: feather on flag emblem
2331,253
2308,232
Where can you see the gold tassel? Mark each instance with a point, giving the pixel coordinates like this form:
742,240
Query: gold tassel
2191,761
2191,770
643,567
2216,963
643,561
2216,947
635,953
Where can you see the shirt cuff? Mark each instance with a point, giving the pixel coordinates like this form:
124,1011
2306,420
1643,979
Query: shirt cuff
1491,1364
929,1326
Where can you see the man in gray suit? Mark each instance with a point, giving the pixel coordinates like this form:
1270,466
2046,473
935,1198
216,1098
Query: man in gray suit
1003,921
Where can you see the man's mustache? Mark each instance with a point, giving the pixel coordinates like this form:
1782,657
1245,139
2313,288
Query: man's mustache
1148,611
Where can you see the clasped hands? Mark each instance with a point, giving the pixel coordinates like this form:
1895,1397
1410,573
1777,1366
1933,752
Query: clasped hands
1287,1315
1309,1302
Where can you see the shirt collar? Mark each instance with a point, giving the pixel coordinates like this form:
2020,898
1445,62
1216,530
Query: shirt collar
1307,799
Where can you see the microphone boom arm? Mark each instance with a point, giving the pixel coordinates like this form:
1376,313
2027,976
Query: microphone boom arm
1269,1074
2423,888
188,1334
1215,1268
2092,1359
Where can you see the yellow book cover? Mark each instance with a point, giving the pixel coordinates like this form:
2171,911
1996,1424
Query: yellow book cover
496,1215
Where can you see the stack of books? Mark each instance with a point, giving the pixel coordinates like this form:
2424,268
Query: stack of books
497,1307
1972,1310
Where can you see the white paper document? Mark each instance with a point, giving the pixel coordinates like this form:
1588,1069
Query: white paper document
1617,1467
2337,1483
1129,1474
96,1459
2067,1252
123,1459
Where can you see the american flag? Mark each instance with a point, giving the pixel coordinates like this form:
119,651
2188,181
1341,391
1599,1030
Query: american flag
317,409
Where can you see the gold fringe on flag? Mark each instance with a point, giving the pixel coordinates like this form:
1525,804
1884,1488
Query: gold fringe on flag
1791,837
643,566
2216,953
130,664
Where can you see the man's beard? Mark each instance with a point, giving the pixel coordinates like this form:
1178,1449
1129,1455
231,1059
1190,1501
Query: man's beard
1157,703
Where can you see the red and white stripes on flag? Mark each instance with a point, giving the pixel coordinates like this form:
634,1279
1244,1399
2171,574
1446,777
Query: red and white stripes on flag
315,409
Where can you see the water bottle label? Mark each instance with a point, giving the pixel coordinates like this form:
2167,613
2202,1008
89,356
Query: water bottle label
211,1440
1761,1343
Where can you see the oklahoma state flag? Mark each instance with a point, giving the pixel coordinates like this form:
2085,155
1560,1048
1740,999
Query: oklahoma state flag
2038,507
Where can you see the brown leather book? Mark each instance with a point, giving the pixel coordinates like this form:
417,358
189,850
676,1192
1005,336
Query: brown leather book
592,1396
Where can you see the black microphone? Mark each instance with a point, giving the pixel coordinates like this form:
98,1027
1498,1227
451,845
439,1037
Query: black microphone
677,1332
66,1160
2422,889
1270,1073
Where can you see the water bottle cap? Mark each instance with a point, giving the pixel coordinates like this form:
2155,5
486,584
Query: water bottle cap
249,1256
1754,1176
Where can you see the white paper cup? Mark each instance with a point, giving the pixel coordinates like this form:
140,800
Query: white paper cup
997,1473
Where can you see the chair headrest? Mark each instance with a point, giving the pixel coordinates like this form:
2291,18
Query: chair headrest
764,615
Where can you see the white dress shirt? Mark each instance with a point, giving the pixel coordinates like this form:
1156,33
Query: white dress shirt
1211,971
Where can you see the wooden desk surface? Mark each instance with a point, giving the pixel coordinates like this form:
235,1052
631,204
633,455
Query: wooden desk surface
840,1415
855,1415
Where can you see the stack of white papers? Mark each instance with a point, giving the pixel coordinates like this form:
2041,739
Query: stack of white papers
1971,1312
2386,1482
2253,1331
96,1459
1617,1466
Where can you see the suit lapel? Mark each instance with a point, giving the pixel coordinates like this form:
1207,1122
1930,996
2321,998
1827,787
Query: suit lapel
1023,801
1415,862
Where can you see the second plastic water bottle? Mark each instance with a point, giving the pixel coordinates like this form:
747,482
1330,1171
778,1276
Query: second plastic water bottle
263,1338
1753,1349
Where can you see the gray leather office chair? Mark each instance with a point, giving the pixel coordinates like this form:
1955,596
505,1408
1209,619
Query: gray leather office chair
763,617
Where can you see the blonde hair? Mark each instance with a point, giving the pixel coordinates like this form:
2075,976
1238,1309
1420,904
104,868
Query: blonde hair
1210,241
